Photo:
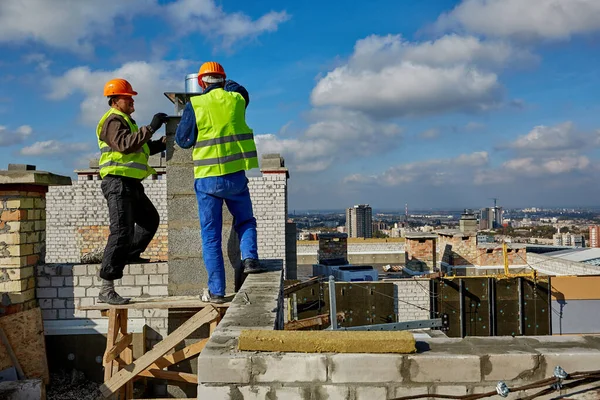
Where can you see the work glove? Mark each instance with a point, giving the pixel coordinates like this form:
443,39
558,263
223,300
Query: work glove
157,121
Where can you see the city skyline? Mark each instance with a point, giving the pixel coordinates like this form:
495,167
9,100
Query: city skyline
439,104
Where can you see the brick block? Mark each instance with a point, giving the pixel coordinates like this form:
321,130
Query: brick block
441,367
220,369
150,269
22,297
45,304
213,392
67,313
141,280
509,365
13,215
127,280
451,390
95,291
58,281
13,286
49,314
348,368
570,359
80,270
371,393
289,368
59,303
156,279
331,392
163,268
136,269
79,292
156,290
45,293
402,391
85,281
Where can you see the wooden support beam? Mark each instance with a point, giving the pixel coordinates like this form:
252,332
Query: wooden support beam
170,375
187,328
300,285
322,319
118,348
179,356
111,336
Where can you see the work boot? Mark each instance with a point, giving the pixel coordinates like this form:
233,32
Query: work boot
208,297
111,297
252,266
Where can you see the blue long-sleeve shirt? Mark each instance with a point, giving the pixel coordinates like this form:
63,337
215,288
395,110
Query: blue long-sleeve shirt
187,130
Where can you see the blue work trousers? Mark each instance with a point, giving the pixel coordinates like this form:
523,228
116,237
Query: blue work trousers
210,192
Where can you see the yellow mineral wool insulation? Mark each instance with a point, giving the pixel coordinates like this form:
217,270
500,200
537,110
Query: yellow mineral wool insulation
327,341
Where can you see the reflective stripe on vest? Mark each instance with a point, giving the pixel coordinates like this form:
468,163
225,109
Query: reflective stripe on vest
225,144
112,162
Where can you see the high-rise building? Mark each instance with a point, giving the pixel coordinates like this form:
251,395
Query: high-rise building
490,218
359,221
594,235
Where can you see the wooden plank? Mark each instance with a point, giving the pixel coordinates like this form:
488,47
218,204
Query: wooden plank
322,319
25,333
327,341
127,356
118,348
179,356
170,375
160,303
301,285
188,327
111,336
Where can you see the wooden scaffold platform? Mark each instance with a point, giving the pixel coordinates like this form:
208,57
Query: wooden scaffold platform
120,369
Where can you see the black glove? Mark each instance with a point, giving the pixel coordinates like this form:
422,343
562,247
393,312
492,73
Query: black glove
157,121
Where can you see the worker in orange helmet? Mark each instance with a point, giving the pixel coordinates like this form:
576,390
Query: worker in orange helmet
124,153
214,124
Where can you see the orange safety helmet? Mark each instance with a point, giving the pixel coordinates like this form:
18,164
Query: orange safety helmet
211,68
116,87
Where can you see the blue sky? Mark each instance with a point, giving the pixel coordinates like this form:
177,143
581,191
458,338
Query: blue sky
432,103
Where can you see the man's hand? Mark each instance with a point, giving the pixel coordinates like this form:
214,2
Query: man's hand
157,121
163,139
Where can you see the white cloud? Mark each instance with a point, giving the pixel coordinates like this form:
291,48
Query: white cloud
11,137
436,172
560,137
530,19
387,76
42,62
150,80
547,166
335,136
66,24
53,148
206,17
75,25
430,133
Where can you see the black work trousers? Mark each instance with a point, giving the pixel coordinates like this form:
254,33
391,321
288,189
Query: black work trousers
133,223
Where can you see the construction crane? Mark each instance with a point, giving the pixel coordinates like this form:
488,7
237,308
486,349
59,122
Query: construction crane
495,200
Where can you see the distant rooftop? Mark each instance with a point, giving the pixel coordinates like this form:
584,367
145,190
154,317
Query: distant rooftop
583,255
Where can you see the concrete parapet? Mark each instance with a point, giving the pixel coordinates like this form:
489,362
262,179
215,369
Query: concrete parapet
449,366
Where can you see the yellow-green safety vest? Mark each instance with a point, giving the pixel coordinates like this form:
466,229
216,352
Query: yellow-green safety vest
112,162
225,144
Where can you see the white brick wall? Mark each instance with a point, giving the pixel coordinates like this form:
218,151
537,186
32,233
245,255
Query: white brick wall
269,203
82,204
413,299
68,208
62,288
557,266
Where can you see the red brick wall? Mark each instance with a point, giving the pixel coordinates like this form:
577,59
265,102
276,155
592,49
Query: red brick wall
420,254
93,238
495,257
458,250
